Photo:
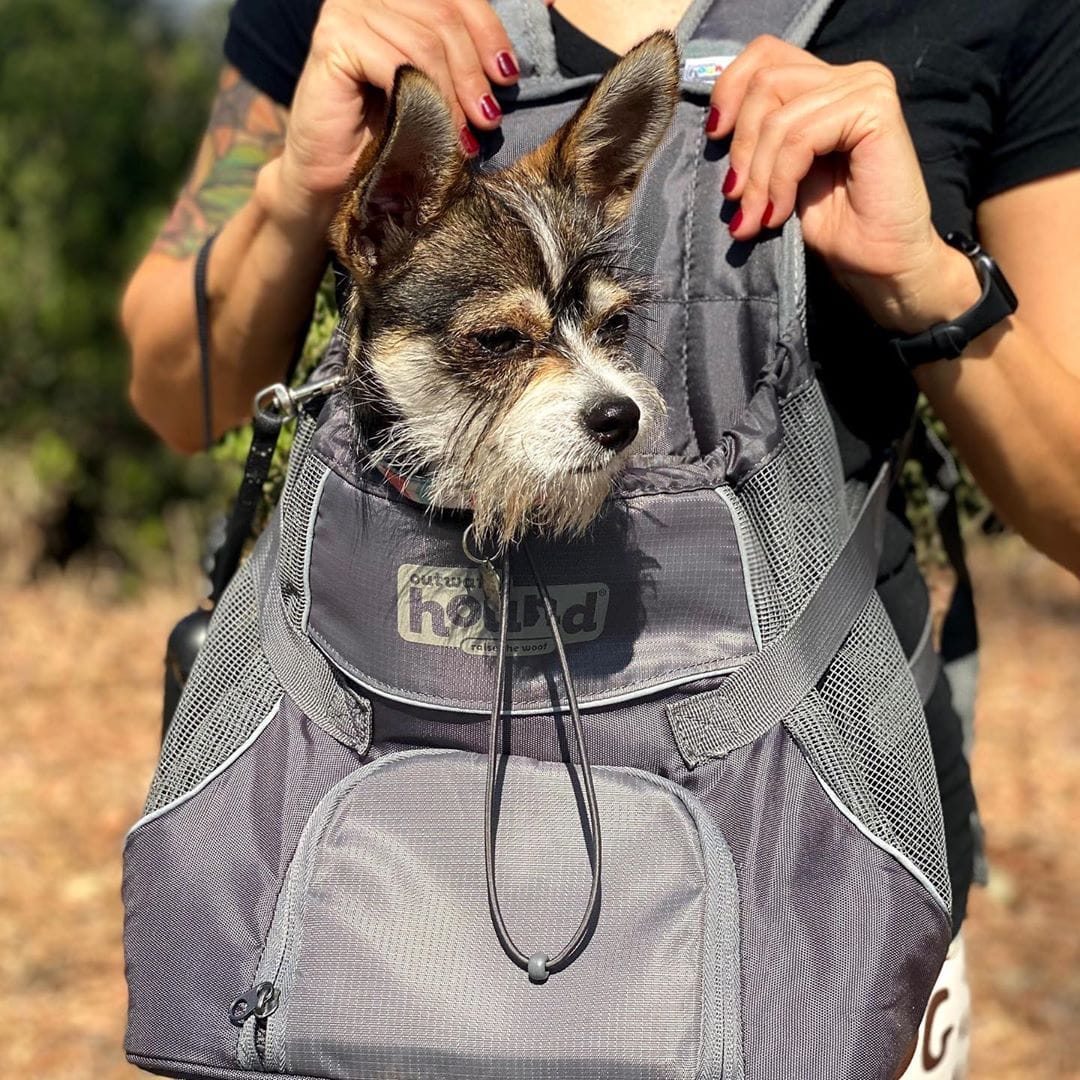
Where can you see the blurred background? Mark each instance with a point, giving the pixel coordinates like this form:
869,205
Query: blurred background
102,103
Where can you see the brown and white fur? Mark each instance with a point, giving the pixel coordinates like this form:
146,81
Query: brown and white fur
491,312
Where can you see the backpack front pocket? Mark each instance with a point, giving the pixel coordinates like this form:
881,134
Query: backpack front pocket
381,960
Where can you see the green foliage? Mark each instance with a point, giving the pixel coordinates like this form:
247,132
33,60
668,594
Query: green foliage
103,103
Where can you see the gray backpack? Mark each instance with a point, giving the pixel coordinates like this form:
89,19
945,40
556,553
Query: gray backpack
679,772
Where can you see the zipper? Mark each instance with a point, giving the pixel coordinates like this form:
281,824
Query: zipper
258,1003
265,996
262,1051
262,1000
260,1039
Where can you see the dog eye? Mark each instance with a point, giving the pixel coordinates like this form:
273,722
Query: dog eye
500,342
615,327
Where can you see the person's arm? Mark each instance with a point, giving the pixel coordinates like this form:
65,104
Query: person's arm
267,270
1012,401
271,181
830,141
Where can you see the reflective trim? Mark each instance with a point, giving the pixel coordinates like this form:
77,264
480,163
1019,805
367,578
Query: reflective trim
541,710
147,818
884,845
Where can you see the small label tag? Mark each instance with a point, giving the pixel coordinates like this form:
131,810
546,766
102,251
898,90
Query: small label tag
448,606
704,68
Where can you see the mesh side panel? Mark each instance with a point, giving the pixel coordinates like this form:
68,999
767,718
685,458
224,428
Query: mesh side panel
817,483
864,729
231,689
869,691
818,733
792,501
297,505
839,952
774,580
305,429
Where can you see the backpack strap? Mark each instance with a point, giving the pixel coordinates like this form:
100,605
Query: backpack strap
308,677
529,27
768,687
793,20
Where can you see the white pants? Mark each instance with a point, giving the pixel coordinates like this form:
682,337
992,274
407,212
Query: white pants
941,1052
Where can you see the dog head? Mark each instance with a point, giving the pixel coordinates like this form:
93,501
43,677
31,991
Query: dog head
491,312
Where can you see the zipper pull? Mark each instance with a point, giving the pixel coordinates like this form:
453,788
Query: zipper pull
260,1001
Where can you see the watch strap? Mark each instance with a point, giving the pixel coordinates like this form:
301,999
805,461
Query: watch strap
947,340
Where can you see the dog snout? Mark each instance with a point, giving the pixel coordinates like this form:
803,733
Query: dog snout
613,422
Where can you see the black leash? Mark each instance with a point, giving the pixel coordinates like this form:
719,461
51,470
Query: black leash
202,319
265,429
273,407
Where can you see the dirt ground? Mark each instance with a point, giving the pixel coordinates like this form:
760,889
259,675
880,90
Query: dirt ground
80,682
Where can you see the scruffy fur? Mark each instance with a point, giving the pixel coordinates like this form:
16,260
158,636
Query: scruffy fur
490,311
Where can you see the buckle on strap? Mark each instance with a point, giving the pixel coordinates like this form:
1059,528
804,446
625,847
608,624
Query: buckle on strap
771,684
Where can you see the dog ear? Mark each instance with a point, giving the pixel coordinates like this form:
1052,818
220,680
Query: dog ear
604,148
403,179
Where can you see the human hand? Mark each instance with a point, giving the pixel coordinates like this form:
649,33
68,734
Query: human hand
356,47
829,142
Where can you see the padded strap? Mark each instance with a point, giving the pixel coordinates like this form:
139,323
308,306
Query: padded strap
306,675
771,684
302,670
529,27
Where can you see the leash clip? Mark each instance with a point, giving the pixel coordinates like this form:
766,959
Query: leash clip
284,402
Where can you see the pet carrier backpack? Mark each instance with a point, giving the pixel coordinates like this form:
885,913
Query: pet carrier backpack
698,807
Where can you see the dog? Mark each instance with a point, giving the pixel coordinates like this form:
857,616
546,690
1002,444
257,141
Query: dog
491,312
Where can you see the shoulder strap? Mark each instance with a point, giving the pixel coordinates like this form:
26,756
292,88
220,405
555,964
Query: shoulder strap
767,687
793,20
529,26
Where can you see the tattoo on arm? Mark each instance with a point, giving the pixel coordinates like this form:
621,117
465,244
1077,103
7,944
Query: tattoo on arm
246,130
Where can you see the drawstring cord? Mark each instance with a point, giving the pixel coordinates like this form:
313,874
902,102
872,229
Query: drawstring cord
539,965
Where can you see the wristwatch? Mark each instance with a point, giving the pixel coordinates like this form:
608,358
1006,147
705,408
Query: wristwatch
947,340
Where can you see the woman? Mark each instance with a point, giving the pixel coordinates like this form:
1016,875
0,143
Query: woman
901,122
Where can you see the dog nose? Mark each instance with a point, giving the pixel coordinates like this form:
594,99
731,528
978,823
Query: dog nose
613,422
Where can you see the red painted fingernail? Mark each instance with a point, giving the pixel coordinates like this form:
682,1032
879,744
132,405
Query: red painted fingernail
768,213
736,221
468,142
713,121
507,65
490,107
729,181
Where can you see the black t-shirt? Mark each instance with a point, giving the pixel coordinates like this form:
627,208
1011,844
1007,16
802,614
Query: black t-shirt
992,99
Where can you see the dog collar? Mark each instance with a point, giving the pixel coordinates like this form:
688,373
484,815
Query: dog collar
417,488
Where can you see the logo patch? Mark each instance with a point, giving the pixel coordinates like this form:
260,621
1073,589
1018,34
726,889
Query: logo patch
446,606
704,68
